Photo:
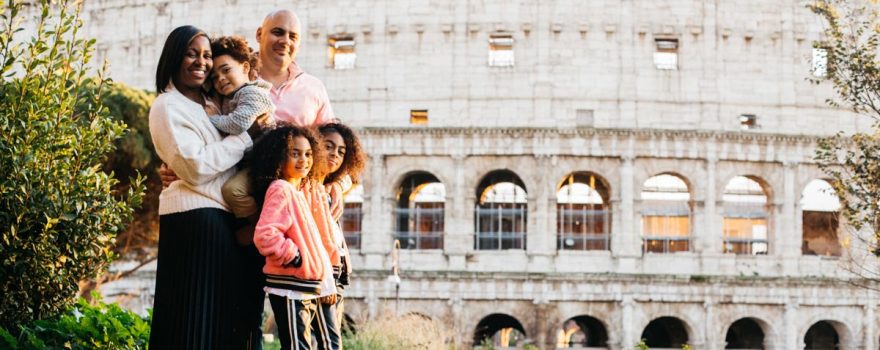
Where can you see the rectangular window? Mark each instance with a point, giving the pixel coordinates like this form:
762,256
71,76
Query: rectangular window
424,226
501,50
746,236
340,52
666,234
582,227
584,117
666,54
351,224
748,121
820,234
820,62
418,116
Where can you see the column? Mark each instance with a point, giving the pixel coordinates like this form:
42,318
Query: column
628,337
791,339
459,231
788,238
375,237
712,238
869,321
626,241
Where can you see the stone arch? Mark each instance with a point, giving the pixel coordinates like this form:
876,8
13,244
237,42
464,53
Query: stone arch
501,211
747,333
584,331
761,317
667,332
500,329
826,335
419,212
845,334
583,212
747,215
401,175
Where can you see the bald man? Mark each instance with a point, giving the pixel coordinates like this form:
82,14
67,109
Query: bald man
300,98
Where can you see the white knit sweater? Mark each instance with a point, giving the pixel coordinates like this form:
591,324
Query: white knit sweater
186,140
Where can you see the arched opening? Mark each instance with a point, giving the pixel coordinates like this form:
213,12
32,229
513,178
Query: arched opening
745,217
745,333
583,213
666,215
821,221
499,330
665,332
582,331
822,335
421,200
501,212
352,216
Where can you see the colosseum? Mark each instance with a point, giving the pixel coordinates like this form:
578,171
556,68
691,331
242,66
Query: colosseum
568,173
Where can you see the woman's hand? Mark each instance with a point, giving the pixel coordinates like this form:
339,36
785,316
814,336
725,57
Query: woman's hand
167,175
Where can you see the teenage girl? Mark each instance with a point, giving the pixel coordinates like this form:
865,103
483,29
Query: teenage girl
345,162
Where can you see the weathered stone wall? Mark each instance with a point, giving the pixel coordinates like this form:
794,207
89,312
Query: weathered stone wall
735,57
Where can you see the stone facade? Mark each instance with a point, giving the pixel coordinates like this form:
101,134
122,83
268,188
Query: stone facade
583,95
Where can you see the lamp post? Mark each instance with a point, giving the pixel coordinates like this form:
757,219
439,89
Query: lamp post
394,277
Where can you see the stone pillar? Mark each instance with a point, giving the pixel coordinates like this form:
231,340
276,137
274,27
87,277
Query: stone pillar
790,336
626,242
709,338
375,238
628,336
869,321
540,239
458,230
712,238
789,236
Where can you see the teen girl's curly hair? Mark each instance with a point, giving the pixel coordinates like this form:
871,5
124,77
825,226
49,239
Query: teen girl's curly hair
354,160
272,153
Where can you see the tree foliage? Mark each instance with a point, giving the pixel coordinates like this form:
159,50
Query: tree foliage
851,39
59,211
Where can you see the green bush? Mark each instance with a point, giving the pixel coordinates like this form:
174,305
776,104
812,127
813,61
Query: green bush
59,211
86,326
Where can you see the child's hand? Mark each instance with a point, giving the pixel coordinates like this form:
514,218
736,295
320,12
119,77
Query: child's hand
328,300
211,109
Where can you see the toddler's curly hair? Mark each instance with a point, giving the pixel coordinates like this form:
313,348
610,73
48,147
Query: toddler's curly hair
236,47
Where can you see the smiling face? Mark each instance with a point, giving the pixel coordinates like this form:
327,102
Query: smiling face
299,160
335,146
196,64
279,38
228,74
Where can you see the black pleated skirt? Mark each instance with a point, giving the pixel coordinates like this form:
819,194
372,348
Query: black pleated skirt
198,268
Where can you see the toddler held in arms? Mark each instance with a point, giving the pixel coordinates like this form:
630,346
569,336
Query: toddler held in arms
246,105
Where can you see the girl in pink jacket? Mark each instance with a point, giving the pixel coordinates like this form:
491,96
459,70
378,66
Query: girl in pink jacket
287,163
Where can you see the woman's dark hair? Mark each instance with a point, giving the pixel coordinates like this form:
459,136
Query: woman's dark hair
172,54
354,160
272,152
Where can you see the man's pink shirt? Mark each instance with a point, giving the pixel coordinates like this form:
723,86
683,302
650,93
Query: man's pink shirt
302,100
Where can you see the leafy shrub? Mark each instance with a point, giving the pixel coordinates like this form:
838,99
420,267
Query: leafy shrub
86,326
59,212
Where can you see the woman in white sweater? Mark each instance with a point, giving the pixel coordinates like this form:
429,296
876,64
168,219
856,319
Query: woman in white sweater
199,264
